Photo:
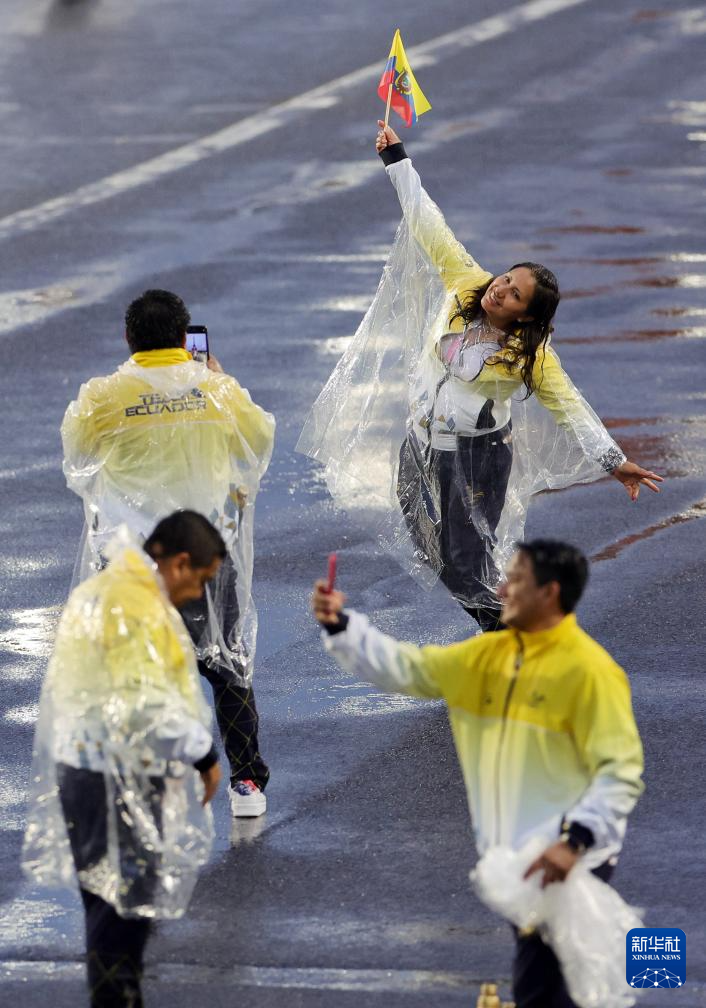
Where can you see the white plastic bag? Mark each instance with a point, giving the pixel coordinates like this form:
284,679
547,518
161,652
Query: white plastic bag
584,921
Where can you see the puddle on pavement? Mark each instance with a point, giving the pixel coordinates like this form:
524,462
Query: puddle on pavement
638,336
571,295
24,715
613,422
691,280
334,346
31,631
679,312
662,451
655,450
246,831
617,261
594,229
697,510
31,920
650,15
356,303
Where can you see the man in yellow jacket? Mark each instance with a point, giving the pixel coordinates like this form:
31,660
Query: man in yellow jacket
122,736
542,722
165,432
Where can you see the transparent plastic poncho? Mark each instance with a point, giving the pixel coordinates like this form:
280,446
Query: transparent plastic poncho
147,441
114,798
583,919
426,435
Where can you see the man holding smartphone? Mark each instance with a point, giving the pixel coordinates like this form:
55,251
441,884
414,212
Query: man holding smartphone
167,432
542,722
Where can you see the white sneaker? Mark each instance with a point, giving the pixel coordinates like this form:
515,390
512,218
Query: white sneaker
246,799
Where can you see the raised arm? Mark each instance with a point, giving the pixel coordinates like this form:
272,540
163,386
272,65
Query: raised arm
559,395
361,649
457,269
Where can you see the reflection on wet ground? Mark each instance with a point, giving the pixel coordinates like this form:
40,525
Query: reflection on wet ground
612,422
697,312
247,831
594,229
697,510
434,984
650,15
667,454
686,280
28,921
616,261
31,631
662,451
638,336
571,295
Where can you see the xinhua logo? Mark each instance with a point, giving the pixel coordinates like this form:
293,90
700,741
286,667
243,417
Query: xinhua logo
656,957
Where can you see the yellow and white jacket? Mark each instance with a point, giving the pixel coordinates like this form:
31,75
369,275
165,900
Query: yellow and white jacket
542,723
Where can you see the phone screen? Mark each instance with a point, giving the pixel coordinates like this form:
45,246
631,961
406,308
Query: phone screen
197,342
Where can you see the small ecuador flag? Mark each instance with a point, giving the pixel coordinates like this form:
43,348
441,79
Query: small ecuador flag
407,98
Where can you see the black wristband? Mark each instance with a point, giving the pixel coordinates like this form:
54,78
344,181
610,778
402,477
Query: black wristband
334,628
207,761
393,153
578,837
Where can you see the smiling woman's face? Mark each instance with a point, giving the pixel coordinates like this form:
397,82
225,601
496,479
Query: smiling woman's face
507,299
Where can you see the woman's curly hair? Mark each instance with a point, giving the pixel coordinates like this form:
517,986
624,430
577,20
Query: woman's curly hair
527,338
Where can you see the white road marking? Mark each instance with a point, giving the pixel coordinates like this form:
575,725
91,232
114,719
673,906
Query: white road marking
189,974
279,115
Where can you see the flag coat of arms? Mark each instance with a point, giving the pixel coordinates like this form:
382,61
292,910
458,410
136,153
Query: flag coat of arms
406,97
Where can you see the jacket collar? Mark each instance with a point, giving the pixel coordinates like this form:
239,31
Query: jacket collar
556,635
161,358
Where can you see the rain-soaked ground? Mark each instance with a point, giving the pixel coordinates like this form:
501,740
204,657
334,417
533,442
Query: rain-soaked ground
224,150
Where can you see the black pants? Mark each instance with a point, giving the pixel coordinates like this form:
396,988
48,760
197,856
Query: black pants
537,981
114,945
238,720
452,502
115,949
236,710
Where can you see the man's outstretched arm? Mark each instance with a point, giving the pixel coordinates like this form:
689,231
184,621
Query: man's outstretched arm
359,648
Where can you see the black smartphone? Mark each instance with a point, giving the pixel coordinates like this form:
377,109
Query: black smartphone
197,342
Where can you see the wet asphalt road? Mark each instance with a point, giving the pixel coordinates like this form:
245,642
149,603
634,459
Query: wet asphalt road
577,138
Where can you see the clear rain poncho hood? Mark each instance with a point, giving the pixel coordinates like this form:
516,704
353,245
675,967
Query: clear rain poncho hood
425,432
164,433
114,797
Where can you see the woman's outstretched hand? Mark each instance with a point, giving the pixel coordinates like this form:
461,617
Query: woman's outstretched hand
386,136
632,475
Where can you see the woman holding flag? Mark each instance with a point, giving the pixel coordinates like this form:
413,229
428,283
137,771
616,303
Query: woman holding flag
454,364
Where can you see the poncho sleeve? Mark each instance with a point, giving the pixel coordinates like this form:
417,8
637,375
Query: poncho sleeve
559,395
457,269
82,430
254,427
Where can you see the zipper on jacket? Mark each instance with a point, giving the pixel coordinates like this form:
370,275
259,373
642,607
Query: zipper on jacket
519,658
